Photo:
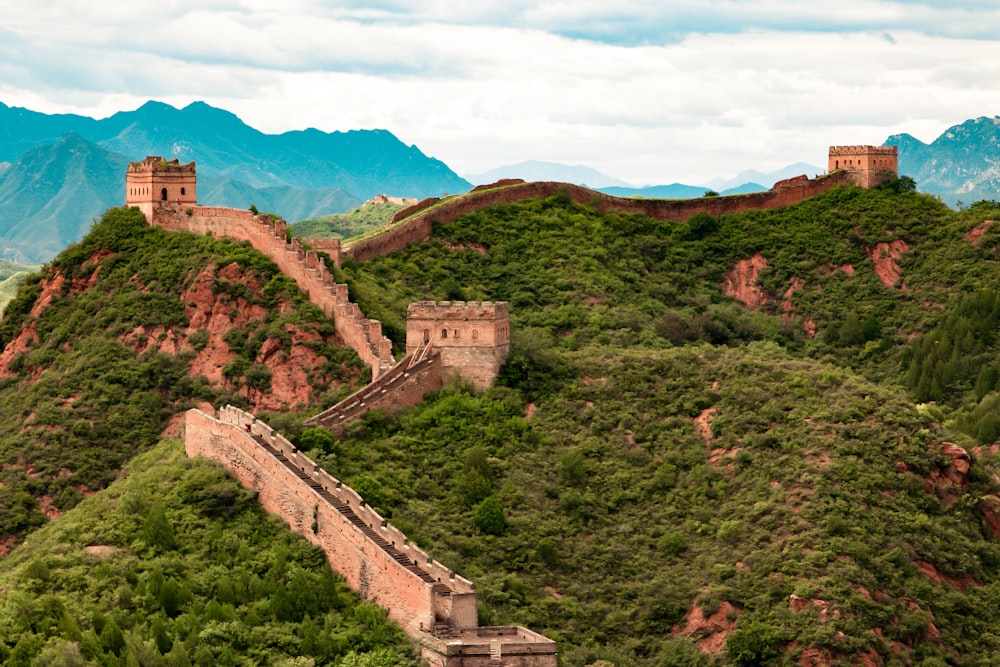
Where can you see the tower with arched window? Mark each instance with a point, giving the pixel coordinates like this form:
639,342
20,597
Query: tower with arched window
159,182
867,165
472,337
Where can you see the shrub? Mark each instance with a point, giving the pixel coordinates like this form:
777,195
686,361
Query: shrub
490,518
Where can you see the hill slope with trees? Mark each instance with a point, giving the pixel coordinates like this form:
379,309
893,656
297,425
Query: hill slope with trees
724,441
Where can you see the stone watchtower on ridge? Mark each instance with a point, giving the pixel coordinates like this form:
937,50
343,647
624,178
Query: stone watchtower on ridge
155,182
473,338
867,165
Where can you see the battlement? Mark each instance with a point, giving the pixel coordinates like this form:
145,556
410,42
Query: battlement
458,310
434,605
156,180
870,150
472,337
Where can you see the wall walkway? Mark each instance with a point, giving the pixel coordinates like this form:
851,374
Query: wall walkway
433,604
417,222
304,266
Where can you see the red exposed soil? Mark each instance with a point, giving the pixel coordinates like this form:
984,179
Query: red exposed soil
977,233
712,630
885,256
741,282
703,425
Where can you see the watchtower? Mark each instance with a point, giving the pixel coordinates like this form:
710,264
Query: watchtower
867,165
473,337
155,182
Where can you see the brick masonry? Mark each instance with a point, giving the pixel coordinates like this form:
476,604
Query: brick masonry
417,222
304,266
433,604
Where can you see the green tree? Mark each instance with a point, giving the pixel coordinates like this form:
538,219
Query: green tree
490,517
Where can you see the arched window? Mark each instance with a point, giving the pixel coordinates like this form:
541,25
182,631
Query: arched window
163,194
183,192
454,334
444,333
475,334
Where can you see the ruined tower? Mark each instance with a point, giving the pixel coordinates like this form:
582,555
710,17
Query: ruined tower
867,165
473,338
155,182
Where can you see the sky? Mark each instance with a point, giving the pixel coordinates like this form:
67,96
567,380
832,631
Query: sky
647,91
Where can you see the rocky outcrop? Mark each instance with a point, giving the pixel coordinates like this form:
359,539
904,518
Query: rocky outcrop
885,256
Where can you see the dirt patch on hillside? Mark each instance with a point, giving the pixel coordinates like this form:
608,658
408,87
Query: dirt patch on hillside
885,257
977,233
710,632
741,282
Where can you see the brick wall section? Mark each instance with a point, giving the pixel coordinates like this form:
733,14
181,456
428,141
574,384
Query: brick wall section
425,215
375,558
473,338
232,440
303,266
405,384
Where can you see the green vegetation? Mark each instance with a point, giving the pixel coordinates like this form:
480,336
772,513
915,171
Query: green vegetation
11,277
355,222
176,564
618,515
91,389
652,446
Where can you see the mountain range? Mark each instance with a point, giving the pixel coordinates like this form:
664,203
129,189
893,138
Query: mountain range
60,171
961,166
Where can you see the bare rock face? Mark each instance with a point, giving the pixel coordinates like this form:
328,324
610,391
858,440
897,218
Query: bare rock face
886,256
713,629
741,282
297,370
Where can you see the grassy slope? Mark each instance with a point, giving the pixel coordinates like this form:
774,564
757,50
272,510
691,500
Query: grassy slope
619,514
80,402
188,570
355,222
11,277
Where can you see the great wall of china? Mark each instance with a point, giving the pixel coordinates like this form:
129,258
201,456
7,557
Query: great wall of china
470,340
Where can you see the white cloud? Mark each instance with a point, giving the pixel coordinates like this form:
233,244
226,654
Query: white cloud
644,90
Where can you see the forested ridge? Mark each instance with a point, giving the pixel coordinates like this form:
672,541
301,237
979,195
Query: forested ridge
662,475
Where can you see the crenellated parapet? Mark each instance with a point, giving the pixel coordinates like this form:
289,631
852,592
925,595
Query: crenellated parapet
433,604
155,180
472,337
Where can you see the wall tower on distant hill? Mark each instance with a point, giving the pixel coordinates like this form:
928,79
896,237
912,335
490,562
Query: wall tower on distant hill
867,165
156,181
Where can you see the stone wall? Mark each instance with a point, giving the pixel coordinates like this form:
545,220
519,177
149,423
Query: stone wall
404,385
235,440
433,605
303,266
473,338
424,216
867,165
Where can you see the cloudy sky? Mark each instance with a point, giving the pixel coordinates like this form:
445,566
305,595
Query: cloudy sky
649,91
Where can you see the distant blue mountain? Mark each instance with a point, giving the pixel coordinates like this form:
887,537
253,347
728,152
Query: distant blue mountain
679,191
58,172
960,166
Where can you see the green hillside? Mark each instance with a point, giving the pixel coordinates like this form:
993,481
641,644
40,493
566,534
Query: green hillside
11,277
176,564
661,475
371,215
